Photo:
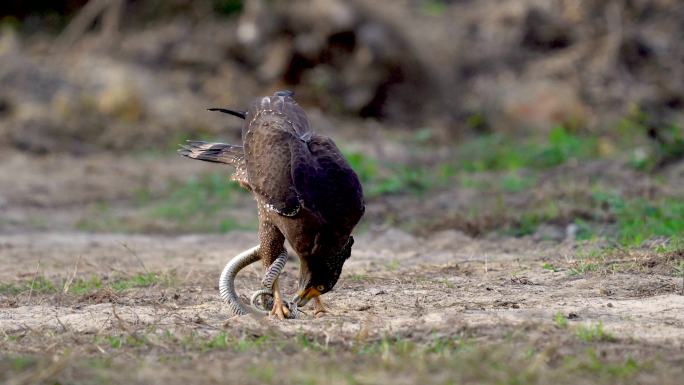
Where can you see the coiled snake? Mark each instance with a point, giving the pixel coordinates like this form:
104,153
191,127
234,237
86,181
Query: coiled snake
262,299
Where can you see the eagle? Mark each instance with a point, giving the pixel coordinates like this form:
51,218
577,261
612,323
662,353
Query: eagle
306,193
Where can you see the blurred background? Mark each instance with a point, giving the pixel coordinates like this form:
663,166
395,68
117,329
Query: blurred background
555,119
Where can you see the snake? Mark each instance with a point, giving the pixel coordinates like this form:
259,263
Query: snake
227,285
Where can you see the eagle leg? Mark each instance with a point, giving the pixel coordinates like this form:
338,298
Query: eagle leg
273,256
279,309
270,282
266,298
319,309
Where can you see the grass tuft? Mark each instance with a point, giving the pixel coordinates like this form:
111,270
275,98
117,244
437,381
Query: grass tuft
200,204
594,333
497,152
83,286
560,320
379,178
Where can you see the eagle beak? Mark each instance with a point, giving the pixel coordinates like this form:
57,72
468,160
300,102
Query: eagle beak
304,296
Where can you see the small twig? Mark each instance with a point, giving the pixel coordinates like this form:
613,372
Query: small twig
111,19
682,279
80,23
226,323
618,261
59,321
33,281
70,280
110,12
614,15
132,252
26,327
121,322
327,339
100,349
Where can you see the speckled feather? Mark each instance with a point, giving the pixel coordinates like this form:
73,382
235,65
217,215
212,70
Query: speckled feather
218,153
306,192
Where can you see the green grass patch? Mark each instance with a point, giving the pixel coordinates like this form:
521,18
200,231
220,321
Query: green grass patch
38,285
638,220
82,286
515,182
550,267
583,267
200,204
138,280
380,178
358,277
506,165
120,341
19,363
604,371
560,320
498,152
434,7
223,340
527,222
631,222
659,256
679,269
593,333
302,359
407,348
593,260
218,342
654,143
196,197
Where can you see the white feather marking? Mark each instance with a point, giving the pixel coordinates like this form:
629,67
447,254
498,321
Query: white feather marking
270,207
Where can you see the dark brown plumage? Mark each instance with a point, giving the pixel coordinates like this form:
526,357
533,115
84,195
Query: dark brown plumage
306,192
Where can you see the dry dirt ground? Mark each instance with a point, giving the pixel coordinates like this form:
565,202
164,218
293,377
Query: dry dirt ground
397,289
83,307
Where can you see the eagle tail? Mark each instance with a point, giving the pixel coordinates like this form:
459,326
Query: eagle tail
213,152
239,114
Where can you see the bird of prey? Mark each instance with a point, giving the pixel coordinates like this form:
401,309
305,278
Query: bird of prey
305,190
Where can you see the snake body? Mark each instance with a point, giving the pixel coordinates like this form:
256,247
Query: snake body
227,284
274,271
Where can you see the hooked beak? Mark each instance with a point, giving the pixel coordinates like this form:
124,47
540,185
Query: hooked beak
301,298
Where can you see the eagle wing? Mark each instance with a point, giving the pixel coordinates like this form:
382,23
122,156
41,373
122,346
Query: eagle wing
327,184
289,166
274,125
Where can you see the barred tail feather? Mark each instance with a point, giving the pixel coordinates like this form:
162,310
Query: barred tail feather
213,152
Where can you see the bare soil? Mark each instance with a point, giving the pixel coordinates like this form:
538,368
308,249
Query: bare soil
396,282
397,286
442,307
